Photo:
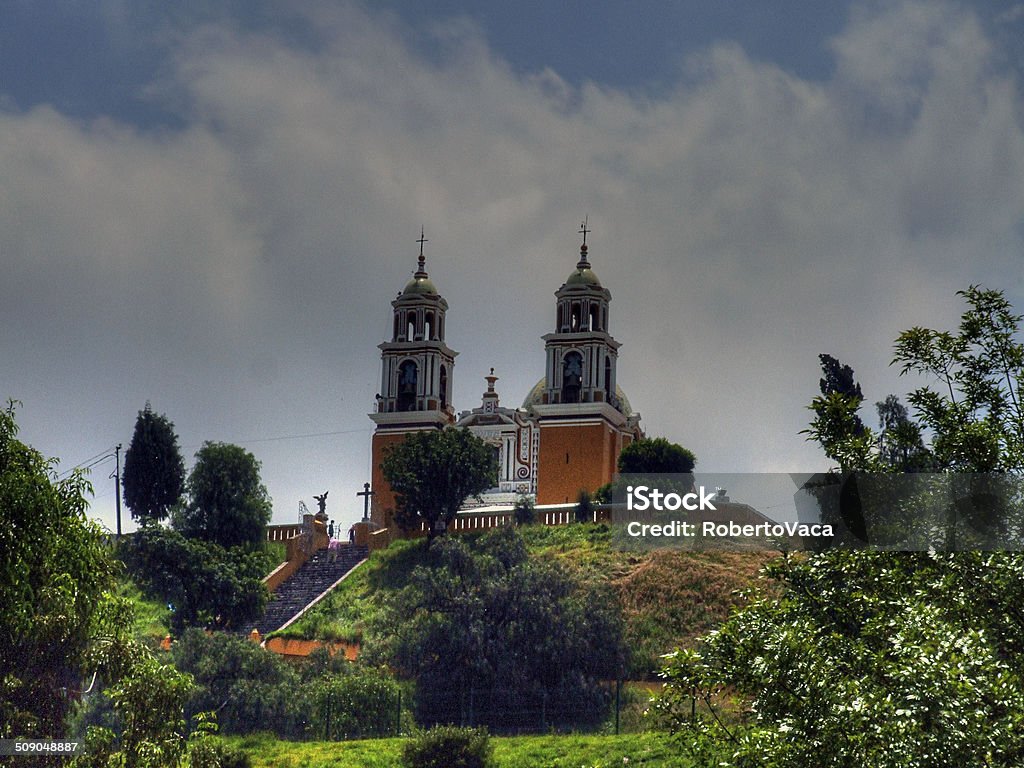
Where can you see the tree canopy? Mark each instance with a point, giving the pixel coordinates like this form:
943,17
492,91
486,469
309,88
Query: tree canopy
154,472
433,473
493,637
656,456
54,567
227,502
207,584
887,658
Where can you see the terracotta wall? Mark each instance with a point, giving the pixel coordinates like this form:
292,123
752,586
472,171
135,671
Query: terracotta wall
574,457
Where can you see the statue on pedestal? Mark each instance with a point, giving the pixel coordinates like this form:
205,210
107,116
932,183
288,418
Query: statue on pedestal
322,512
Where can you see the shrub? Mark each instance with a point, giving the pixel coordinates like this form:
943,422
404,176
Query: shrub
524,511
448,747
214,753
584,508
493,637
249,688
358,704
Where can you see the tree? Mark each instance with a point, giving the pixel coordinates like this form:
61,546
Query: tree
154,472
148,698
867,658
584,512
250,689
900,445
54,567
837,379
524,511
889,658
976,414
227,502
433,473
493,637
656,456
837,425
208,585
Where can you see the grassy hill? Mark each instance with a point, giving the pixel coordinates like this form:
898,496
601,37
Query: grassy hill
668,598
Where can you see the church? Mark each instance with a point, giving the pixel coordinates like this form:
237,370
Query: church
567,434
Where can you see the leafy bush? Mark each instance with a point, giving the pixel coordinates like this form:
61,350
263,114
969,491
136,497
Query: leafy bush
868,658
249,688
494,637
214,753
358,704
207,584
447,747
584,512
524,511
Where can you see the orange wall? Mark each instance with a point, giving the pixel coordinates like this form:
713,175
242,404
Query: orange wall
382,504
574,457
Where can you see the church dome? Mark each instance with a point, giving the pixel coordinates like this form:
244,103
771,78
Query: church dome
536,397
420,285
583,275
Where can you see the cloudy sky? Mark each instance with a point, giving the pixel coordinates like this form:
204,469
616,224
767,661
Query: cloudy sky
211,207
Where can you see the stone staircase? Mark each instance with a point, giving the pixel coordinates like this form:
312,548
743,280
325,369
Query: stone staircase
308,583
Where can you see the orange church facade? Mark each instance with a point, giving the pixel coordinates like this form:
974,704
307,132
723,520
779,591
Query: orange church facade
569,431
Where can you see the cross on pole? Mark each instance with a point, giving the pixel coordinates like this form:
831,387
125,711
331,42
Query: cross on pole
421,241
366,493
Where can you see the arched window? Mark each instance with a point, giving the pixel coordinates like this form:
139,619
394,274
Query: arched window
575,320
595,317
410,330
444,387
407,377
572,377
428,326
608,391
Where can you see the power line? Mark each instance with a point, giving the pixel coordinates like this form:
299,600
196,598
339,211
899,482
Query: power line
108,453
89,463
290,437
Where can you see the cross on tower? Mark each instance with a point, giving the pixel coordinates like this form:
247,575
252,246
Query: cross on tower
366,493
421,241
584,230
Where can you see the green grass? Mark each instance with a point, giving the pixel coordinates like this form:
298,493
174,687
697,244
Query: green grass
651,750
152,619
668,598
344,614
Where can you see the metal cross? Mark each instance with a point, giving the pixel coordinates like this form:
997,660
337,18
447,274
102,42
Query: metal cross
421,241
584,230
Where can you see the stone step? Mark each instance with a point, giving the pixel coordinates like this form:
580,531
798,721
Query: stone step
308,583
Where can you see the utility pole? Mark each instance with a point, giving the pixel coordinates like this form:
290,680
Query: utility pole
117,487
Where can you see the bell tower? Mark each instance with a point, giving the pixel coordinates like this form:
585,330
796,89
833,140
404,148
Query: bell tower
583,425
581,354
416,376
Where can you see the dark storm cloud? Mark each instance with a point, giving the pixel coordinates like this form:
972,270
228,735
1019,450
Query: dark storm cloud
238,271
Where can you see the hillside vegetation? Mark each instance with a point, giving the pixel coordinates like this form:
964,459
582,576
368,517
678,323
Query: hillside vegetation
650,750
668,598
